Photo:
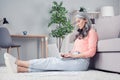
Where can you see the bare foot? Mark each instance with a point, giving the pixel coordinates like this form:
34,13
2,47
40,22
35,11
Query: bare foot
22,63
22,69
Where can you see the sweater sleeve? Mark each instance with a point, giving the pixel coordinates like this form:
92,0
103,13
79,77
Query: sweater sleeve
92,44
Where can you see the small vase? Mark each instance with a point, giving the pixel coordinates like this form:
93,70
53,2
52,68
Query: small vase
24,32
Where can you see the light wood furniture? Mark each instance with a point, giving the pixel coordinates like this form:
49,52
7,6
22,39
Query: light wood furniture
43,39
93,14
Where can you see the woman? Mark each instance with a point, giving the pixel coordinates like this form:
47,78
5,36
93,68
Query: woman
77,59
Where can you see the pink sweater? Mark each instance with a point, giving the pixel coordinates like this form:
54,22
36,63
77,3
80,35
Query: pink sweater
87,45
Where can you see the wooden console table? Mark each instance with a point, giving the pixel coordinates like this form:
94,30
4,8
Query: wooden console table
43,43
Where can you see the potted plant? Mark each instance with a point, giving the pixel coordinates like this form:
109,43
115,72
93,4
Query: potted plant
59,17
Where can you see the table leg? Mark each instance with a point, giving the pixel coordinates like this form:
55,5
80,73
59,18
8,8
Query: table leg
46,46
42,47
38,48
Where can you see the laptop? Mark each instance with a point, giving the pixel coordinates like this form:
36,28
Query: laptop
53,50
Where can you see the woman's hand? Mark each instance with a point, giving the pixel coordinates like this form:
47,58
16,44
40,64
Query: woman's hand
70,55
62,55
67,55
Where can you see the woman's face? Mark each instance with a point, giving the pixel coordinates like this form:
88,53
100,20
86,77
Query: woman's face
80,23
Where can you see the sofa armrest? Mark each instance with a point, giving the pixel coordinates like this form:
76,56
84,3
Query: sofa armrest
108,45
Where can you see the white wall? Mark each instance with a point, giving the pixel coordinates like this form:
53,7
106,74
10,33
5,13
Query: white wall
119,6
33,16
116,6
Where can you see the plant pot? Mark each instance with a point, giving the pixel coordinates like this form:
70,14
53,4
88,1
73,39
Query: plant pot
59,43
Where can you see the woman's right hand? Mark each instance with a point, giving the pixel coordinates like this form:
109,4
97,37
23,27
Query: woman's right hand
62,55
67,55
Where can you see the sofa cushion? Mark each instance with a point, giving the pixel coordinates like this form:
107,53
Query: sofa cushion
108,27
108,45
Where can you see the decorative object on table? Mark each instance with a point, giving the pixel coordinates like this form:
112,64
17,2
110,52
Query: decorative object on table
82,9
92,20
107,11
59,17
24,32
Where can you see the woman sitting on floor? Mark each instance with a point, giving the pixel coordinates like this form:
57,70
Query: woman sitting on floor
76,60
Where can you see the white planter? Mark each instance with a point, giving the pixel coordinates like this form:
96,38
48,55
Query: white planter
59,43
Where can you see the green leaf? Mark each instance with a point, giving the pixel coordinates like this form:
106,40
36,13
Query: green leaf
55,3
60,4
58,16
50,24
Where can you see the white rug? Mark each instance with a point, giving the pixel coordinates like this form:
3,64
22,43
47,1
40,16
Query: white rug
59,75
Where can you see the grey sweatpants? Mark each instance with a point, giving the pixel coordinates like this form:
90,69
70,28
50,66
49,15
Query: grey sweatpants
53,63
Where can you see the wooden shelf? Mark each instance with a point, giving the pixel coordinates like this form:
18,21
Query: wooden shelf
92,12
89,12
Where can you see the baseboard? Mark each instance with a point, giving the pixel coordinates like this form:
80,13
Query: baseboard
106,71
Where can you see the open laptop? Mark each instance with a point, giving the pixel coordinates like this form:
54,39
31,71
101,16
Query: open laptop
53,50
